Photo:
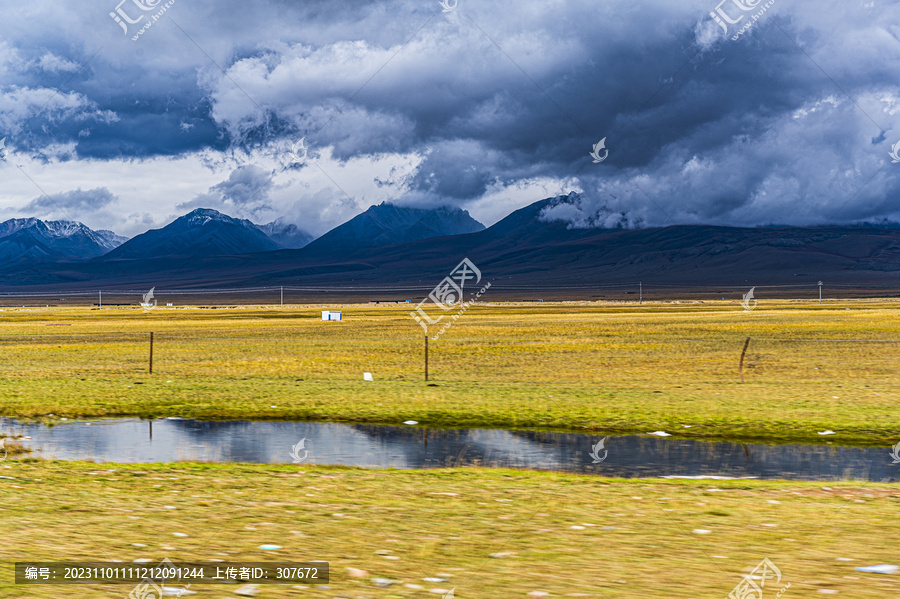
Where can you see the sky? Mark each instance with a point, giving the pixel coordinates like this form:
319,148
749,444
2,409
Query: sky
742,113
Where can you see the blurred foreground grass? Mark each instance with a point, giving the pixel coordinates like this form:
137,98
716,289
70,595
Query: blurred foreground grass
488,533
607,367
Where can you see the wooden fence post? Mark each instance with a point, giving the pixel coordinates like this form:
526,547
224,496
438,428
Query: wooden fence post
743,353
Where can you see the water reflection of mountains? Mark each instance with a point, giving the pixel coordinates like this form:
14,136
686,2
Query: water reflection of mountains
629,456
128,440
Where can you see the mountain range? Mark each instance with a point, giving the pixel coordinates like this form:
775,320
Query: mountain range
30,240
387,224
201,233
381,248
205,232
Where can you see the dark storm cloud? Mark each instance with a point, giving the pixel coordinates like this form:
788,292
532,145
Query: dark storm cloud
700,127
457,170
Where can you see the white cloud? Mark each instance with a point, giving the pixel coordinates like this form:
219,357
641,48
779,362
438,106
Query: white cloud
52,63
18,104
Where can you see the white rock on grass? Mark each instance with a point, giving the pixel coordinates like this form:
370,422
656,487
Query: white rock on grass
173,592
247,590
357,573
880,569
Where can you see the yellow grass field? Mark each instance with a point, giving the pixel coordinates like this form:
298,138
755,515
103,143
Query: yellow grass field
482,533
486,533
603,367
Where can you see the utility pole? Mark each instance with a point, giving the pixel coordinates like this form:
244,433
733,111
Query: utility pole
282,297
101,300
642,294
820,292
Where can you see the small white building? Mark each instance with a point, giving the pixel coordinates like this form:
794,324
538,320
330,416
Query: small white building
331,315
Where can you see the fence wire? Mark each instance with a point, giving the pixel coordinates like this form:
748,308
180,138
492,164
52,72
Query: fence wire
596,359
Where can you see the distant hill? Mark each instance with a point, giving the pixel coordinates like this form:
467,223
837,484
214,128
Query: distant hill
203,232
286,235
28,240
387,224
522,252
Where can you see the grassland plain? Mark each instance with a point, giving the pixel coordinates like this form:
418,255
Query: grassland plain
577,366
488,533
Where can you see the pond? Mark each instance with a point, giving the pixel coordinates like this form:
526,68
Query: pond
131,440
